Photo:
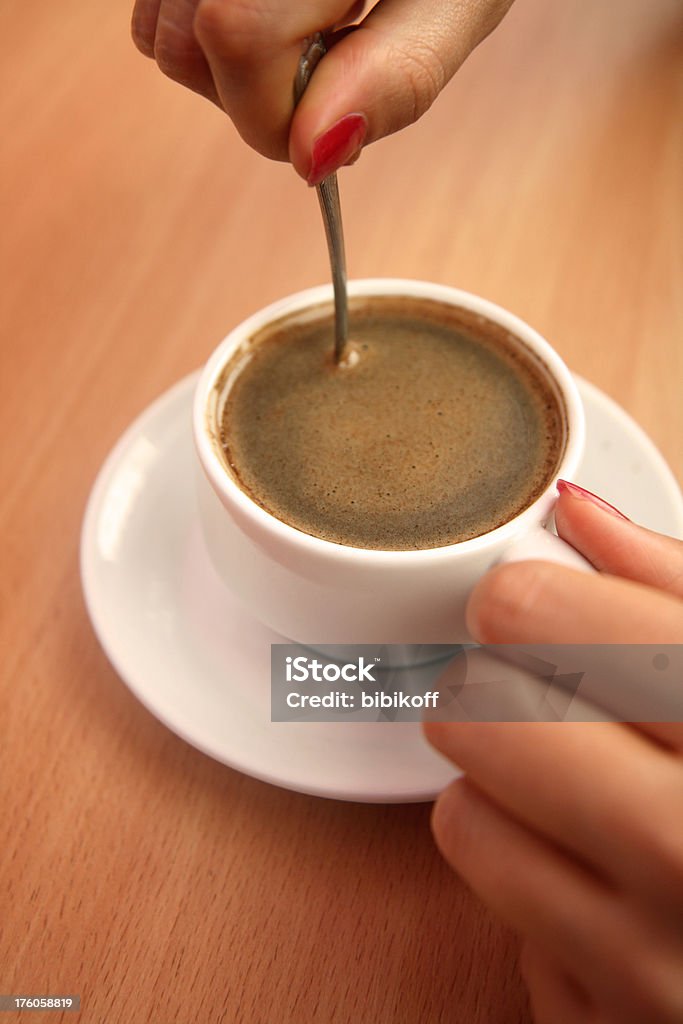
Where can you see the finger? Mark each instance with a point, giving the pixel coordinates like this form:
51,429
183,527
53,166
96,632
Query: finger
253,51
389,70
638,685
537,602
555,998
177,51
532,887
353,15
584,787
144,25
616,545
628,966
496,684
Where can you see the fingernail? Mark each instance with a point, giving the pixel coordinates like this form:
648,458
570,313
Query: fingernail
584,495
337,146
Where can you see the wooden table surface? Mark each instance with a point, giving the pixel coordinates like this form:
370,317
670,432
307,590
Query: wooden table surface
137,228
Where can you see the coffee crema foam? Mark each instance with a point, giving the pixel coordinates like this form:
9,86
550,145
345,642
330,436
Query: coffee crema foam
440,428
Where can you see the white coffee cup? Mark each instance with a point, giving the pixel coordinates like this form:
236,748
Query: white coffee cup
317,592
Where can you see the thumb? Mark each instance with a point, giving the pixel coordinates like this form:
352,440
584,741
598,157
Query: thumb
385,73
614,544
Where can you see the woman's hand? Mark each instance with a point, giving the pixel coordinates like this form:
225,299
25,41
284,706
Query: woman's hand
573,833
380,75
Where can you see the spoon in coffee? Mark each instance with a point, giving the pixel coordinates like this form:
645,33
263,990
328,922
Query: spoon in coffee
328,197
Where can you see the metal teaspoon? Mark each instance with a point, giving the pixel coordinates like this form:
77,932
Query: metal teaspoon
328,197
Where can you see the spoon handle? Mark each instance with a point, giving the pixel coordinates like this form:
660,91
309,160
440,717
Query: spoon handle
328,197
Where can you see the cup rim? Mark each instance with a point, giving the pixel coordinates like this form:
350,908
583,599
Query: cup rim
229,491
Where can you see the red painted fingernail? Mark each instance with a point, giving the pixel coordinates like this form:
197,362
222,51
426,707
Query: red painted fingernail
337,146
584,495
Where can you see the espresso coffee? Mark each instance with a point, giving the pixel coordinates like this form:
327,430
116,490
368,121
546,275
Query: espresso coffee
438,427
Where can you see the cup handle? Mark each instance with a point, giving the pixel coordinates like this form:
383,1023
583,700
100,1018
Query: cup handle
541,543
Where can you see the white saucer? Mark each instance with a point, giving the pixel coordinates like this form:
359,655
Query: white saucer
201,665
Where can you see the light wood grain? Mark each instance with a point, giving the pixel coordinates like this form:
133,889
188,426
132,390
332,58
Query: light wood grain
136,229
